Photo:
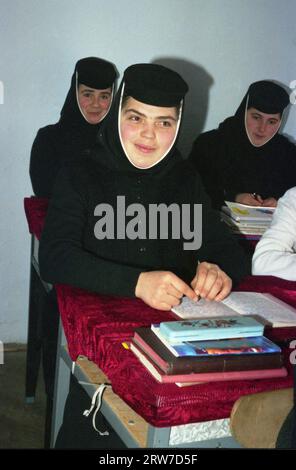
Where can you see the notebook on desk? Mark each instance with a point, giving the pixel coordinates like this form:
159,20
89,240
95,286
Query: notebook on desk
265,307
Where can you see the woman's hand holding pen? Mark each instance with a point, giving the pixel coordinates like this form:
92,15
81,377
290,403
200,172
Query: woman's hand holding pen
269,202
250,199
254,199
210,282
162,289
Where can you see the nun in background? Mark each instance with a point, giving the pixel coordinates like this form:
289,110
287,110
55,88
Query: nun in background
246,159
135,158
87,104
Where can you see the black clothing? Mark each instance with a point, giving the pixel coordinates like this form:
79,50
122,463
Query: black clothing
229,164
72,137
71,254
77,431
53,145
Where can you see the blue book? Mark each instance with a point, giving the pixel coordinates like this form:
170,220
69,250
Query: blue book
238,346
211,328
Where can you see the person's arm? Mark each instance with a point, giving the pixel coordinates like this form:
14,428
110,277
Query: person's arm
275,253
62,256
43,163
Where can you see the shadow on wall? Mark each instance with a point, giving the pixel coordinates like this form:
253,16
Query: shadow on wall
196,101
286,113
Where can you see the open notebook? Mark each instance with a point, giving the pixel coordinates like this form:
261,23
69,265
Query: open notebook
271,310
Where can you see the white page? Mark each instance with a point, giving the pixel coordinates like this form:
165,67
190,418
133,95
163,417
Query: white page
202,308
276,312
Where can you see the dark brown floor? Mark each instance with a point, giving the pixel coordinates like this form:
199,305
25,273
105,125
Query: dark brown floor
21,425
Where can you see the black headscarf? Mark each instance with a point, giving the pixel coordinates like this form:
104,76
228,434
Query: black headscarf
251,169
150,84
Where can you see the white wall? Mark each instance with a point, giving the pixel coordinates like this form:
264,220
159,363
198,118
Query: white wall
219,46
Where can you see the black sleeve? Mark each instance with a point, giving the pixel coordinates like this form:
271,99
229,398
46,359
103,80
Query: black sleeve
219,245
62,256
43,164
207,160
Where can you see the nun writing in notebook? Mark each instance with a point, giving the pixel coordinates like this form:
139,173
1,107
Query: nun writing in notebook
246,159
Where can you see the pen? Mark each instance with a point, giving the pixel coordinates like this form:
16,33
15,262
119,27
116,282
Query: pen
257,197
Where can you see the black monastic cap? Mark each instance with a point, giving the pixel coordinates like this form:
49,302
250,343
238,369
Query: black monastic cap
154,84
268,97
96,73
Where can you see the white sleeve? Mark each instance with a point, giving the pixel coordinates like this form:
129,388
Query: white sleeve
275,253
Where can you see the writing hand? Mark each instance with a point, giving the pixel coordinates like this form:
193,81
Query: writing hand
162,289
210,282
250,199
269,202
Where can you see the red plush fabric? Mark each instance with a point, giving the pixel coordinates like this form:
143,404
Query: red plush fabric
96,325
35,209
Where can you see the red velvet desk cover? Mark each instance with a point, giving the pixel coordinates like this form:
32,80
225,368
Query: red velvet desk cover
35,209
95,326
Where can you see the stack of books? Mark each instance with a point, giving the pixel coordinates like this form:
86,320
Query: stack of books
207,350
246,220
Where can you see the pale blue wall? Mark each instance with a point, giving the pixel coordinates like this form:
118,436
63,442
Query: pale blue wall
220,46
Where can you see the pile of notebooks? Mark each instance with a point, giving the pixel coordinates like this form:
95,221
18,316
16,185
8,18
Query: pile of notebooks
249,221
207,350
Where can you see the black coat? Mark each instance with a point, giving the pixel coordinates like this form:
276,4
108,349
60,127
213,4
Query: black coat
71,254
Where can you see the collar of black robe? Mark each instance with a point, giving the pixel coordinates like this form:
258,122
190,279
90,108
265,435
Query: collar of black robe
151,84
95,73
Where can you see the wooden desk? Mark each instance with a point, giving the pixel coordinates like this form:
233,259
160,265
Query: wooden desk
132,428
254,423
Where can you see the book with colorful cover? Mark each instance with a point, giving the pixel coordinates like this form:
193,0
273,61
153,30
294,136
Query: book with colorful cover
147,341
199,378
211,328
251,345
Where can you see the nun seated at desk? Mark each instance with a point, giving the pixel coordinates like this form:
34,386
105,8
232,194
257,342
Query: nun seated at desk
246,159
135,160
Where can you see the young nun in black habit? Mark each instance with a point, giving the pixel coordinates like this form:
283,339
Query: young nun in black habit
246,159
87,104
134,167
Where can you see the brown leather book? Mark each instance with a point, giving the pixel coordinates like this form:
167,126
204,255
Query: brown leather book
170,364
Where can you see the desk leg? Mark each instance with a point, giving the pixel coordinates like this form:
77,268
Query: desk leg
158,437
61,389
34,336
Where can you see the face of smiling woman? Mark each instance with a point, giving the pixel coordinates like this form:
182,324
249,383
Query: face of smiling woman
147,132
94,104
